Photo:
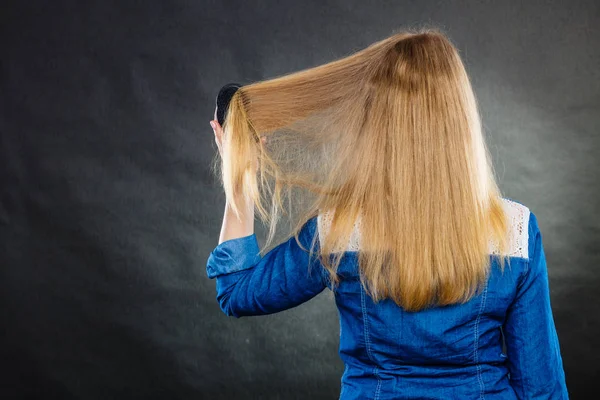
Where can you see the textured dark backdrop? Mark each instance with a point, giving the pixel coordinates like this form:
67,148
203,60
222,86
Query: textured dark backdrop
108,210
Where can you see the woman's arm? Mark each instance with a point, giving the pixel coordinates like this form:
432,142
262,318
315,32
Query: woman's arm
248,284
534,359
234,228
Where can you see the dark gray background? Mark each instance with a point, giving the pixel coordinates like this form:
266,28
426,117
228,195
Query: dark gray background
108,210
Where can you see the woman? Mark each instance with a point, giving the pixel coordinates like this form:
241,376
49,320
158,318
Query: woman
440,282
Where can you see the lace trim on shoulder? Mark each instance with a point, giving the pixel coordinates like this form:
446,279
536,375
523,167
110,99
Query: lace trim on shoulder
518,219
324,222
518,236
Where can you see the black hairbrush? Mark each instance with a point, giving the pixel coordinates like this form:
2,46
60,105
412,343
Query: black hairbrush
223,99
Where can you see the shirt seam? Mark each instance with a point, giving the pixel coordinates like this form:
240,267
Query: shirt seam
476,344
368,343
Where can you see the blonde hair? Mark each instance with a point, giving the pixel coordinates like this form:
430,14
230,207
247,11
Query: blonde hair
391,135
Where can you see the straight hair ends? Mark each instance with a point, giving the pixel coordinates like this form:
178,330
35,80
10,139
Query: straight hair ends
391,135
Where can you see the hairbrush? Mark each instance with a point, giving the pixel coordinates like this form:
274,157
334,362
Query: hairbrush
224,98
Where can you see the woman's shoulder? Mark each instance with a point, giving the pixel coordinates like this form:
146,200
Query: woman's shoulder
521,220
524,225
519,228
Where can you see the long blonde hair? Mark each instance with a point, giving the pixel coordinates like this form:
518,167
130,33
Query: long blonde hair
392,135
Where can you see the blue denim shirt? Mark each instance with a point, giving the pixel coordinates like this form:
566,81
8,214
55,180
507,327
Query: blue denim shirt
451,352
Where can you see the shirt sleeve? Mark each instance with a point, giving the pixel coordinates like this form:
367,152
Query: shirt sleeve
248,284
533,350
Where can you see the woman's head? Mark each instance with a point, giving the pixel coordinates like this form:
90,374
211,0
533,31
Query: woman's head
390,134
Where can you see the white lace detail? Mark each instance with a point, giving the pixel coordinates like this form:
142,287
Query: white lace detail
324,223
518,218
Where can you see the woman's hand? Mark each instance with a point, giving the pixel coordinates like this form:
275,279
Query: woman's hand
218,131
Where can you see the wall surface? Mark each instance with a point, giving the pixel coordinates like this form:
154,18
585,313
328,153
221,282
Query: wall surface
108,209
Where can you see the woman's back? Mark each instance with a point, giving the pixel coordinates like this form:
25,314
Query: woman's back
456,352
450,352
